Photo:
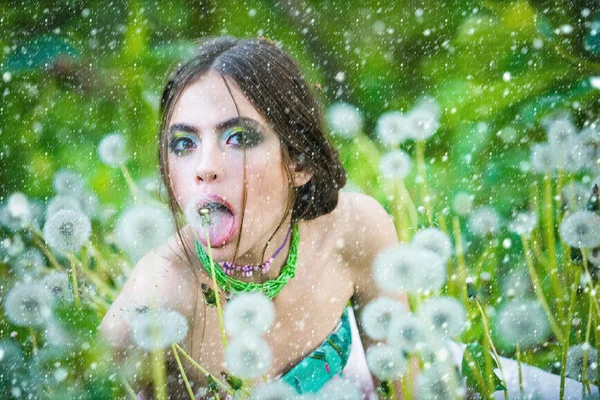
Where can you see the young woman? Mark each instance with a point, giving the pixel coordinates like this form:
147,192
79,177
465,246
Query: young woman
242,135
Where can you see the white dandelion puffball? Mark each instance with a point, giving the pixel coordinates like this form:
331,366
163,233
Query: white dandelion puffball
62,202
274,390
444,315
67,230
158,330
378,315
252,311
484,221
142,227
57,284
386,362
113,150
403,268
30,263
345,120
576,195
18,206
395,164
438,383
392,128
463,203
517,283
422,122
435,241
575,357
67,182
524,223
408,333
341,389
581,229
544,159
523,321
248,357
561,133
27,304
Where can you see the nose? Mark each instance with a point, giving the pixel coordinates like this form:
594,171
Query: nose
210,165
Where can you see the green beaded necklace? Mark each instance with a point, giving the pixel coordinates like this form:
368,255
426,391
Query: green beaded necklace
270,288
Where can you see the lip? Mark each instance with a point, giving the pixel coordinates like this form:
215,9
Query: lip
215,198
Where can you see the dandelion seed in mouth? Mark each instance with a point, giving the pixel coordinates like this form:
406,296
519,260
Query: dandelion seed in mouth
274,390
524,223
158,330
248,357
378,315
484,221
408,333
386,362
345,120
395,164
581,229
113,150
27,304
67,230
524,322
444,315
575,357
392,128
246,312
435,241
403,268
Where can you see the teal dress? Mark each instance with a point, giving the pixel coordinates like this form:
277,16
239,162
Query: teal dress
327,361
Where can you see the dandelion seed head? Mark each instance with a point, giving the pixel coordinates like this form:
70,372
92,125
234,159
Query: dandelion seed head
590,141
18,205
439,384
112,150
57,285
581,229
29,264
408,333
345,120
62,202
444,315
463,203
67,230
517,283
340,389
422,122
484,221
158,330
67,182
575,356
575,195
142,227
378,315
27,304
543,158
274,390
392,128
249,312
523,321
524,223
404,268
395,164
561,133
435,241
386,362
248,357
11,361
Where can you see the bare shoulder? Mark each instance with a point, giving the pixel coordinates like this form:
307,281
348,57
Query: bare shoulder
160,279
365,225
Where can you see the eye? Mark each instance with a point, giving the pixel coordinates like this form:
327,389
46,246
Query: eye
241,137
181,144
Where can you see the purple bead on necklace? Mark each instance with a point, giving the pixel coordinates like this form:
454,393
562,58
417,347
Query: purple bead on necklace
230,268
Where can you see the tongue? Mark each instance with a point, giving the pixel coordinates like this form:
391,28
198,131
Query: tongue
220,228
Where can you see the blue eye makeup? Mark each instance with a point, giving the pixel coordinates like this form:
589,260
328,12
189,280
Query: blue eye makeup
242,137
181,143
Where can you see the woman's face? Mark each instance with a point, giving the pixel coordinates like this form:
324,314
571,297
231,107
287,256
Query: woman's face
206,164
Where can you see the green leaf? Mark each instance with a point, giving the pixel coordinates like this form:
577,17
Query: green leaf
473,368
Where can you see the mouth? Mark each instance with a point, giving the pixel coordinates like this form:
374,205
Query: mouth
213,218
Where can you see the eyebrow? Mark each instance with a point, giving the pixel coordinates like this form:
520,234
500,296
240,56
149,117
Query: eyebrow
221,126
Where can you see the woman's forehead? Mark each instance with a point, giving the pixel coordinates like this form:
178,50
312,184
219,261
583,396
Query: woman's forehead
207,102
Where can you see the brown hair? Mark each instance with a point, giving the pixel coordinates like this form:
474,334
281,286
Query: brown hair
273,83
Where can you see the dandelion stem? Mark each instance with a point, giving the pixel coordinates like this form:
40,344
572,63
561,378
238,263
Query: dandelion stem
565,343
216,289
425,195
159,375
584,379
460,259
491,343
520,369
135,192
36,236
538,290
549,232
408,202
399,214
129,389
33,339
74,279
183,375
98,256
205,372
